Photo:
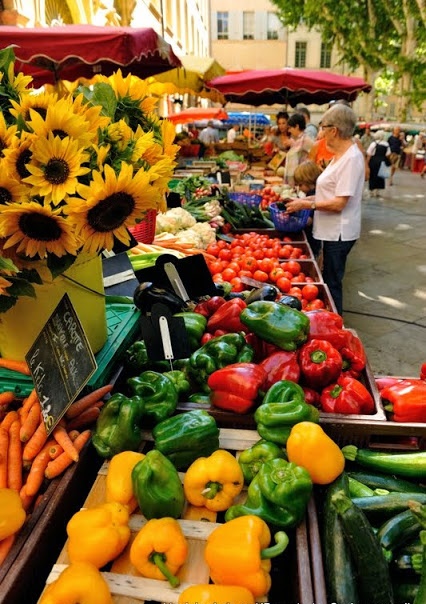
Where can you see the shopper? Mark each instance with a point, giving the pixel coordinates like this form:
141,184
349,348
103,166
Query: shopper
377,152
231,135
310,130
208,137
282,138
366,139
337,201
299,150
319,152
305,178
396,145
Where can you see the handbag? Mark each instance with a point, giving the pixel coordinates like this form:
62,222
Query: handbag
384,171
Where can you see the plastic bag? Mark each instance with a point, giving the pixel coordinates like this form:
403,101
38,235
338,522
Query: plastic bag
384,171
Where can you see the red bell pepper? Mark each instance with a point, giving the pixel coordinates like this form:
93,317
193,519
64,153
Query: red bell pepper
353,355
348,396
312,397
281,365
423,371
320,363
406,400
326,325
236,387
227,317
210,306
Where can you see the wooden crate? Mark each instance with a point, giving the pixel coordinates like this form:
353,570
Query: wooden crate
291,579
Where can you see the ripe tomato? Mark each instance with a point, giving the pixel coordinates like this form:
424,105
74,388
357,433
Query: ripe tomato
296,253
225,254
217,278
228,274
266,264
276,273
248,263
215,267
317,304
243,273
213,249
296,291
258,254
237,285
260,276
292,266
284,253
283,284
310,292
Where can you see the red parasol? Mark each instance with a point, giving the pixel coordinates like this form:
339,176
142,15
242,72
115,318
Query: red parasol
71,52
287,86
195,114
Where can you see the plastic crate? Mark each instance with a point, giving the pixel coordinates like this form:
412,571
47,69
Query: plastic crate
289,223
251,200
144,231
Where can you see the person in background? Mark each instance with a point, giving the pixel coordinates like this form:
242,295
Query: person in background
305,178
299,150
377,152
366,139
396,145
319,152
338,198
208,137
282,138
267,140
231,135
311,130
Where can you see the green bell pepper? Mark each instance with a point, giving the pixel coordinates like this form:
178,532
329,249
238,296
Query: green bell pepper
195,325
157,487
183,438
216,354
282,407
279,494
180,382
276,323
118,426
157,393
254,457
135,358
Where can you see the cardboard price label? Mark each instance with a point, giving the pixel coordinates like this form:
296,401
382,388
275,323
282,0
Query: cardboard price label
61,362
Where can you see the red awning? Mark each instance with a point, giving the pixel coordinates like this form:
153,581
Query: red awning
70,52
287,86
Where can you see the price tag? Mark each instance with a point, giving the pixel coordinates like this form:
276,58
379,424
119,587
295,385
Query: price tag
61,362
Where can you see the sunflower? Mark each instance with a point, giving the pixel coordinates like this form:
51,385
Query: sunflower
11,190
55,166
36,230
111,204
37,102
18,155
4,284
6,134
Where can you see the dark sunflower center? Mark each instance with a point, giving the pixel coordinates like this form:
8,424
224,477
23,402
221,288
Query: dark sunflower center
42,111
2,146
39,227
24,158
5,196
61,133
56,171
110,213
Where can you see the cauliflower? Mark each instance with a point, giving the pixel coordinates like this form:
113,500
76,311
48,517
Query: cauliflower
200,235
173,221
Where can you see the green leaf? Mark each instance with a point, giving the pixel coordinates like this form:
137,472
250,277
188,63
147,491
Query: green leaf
7,264
21,287
7,302
31,275
7,56
57,266
104,95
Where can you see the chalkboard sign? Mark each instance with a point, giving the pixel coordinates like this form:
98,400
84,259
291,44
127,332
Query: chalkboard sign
61,362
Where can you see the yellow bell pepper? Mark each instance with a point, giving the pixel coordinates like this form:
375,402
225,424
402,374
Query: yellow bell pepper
214,482
311,448
237,553
216,594
98,535
79,583
12,514
119,479
159,550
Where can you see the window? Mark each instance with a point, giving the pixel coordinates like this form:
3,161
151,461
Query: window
222,26
300,55
325,56
273,25
248,25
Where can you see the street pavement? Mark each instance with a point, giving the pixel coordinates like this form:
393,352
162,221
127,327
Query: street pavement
385,280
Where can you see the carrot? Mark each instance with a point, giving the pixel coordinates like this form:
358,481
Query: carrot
14,458
35,444
26,499
36,474
5,547
31,422
86,418
6,398
4,448
9,419
87,401
61,436
30,400
13,365
61,463
55,450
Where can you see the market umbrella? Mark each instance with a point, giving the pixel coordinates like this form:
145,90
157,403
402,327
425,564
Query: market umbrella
194,114
70,52
287,86
190,78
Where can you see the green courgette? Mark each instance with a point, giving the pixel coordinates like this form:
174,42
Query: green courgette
358,489
339,568
384,506
411,464
398,530
377,480
374,580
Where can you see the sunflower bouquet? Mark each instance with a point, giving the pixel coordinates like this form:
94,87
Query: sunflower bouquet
77,169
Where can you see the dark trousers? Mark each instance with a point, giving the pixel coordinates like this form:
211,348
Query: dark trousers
334,263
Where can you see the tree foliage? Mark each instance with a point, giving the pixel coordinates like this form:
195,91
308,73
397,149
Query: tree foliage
378,35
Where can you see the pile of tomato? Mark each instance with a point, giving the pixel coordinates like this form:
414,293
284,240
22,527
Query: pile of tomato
265,259
268,196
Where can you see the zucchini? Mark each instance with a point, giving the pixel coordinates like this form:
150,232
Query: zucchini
377,480
374,580
358,489
385,506
412,464
339,569
398,530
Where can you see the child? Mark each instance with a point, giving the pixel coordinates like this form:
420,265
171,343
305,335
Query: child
305,177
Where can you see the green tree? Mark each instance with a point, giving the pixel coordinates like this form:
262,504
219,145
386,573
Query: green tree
378,35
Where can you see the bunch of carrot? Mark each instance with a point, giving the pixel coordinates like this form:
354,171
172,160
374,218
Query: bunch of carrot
28,455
